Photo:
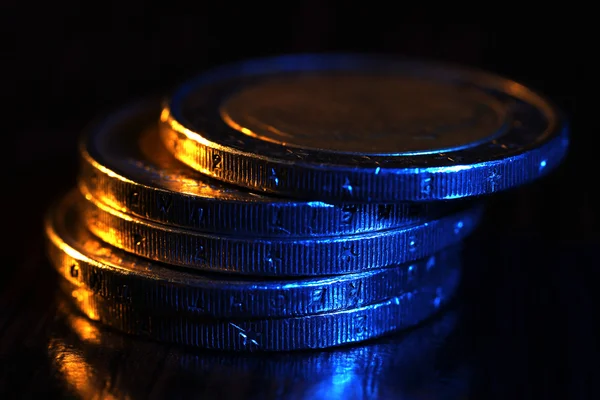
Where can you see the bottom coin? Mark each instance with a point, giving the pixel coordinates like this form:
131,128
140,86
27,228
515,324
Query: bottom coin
397,366
282,334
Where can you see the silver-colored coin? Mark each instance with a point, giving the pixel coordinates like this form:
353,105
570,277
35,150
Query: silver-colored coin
360,128
125,165
398,366
116,275
276,257
281,334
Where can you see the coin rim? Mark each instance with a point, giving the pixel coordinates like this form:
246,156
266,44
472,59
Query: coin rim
478,163
138,322
117,182
121,231
61,244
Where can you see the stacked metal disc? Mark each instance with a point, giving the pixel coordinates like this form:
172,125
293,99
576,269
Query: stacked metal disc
293,202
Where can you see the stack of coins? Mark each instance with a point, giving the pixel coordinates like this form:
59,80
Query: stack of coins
293,202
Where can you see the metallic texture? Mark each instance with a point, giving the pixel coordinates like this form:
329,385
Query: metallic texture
123,278
411,365
363,113
124,165
530,139
281,334
276,257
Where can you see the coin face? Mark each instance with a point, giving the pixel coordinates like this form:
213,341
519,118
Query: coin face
373,114
348,128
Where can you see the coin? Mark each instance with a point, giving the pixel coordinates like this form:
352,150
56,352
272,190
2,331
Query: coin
111,273
281,334
124,165
403,364
360,128
265,256
364,114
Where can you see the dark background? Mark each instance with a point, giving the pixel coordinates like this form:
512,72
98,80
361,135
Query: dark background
70,62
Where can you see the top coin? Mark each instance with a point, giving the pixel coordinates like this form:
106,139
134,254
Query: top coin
363,128
364,114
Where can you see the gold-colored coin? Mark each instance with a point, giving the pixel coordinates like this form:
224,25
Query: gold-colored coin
366,114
